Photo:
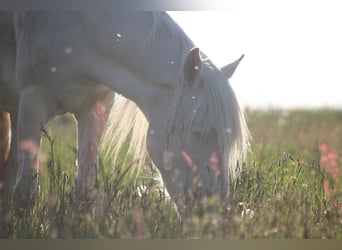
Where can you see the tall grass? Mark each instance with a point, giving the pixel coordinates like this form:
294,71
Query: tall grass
279,193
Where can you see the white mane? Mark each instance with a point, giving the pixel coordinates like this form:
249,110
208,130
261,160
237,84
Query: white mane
227,118
126,124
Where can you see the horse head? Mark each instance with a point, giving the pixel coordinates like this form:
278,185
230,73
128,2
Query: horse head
194,137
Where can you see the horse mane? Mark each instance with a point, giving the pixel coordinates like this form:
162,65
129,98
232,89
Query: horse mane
128,124
227,118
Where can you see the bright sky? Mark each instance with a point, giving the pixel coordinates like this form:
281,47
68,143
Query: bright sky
293,50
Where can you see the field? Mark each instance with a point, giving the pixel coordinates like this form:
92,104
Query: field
288,188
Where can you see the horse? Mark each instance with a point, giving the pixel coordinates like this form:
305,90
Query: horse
178,108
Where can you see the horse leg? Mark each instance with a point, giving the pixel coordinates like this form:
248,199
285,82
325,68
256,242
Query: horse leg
9,177
11,165
91,122
32,115
5,140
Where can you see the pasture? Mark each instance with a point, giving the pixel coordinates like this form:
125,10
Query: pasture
279,193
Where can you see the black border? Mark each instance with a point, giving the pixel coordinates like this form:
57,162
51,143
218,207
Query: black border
195,5
192,244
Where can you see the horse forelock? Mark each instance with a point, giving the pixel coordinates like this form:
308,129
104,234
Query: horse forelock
223,113
226,117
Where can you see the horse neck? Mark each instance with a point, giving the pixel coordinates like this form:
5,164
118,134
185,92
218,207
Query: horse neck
161,51
155,56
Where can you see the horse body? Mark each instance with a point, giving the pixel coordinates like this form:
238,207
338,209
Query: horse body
73,61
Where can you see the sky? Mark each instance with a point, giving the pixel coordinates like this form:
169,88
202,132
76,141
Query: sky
293,50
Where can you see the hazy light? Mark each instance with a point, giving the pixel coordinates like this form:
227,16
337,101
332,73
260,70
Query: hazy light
292,50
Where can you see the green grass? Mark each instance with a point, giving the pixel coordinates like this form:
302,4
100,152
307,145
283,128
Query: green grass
281,182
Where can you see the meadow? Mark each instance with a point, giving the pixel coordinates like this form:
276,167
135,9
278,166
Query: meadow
288,188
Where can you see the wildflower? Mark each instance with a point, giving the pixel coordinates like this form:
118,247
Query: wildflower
142,190
247,213
271,231
330,166
305,185
323,147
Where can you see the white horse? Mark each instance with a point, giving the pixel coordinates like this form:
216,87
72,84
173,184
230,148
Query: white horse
74,61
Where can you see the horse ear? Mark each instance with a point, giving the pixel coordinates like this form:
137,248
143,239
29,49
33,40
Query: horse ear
229,69
192,66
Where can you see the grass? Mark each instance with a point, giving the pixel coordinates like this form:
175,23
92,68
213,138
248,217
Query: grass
279,193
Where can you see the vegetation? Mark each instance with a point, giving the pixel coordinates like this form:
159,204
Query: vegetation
280,193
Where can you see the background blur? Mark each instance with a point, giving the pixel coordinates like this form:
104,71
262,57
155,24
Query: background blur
292,50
